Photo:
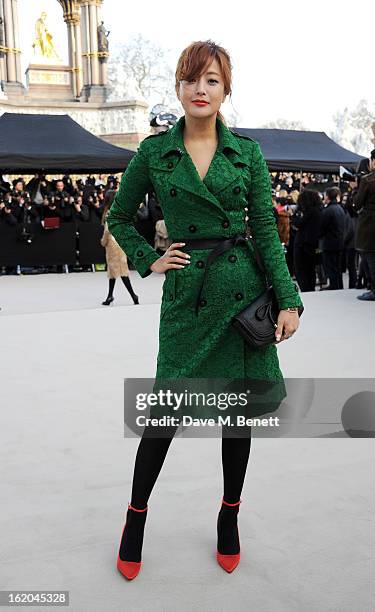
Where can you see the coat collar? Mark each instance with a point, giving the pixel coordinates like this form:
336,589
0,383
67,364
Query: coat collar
173,139
221,174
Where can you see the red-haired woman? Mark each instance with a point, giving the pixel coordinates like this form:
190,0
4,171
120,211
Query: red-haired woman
206,178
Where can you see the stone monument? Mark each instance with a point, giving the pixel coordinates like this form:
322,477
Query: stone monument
46,76
79,88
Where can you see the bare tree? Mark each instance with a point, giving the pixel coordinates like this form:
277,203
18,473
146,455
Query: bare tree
143,67
232,117
353,128
284,124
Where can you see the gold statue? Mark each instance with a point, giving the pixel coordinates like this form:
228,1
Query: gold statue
43,44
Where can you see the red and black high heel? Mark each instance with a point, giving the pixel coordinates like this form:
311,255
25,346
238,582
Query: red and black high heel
228,562
129,569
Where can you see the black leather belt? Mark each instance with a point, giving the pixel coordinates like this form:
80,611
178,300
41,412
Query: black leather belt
218,246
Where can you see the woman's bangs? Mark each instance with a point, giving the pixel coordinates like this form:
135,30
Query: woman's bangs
196,63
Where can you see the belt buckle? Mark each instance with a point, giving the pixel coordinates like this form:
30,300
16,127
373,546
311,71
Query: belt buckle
238,239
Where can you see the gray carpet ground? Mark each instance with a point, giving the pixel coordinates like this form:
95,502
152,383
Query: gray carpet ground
307,517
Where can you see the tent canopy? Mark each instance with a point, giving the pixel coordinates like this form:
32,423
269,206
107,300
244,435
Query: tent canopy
30,143
301,150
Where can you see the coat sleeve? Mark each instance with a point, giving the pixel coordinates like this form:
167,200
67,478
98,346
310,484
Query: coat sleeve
135,183
265,234
359,198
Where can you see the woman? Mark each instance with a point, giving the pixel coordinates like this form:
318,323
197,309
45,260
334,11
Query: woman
117,263
306,220
202,173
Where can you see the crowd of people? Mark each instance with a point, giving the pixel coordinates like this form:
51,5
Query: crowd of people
38,199
316,217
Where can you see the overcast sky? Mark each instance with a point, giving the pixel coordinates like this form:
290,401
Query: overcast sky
291,59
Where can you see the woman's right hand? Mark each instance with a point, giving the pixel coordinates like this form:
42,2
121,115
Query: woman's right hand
172,258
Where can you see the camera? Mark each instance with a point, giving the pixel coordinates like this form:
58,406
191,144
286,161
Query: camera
350,178
26,236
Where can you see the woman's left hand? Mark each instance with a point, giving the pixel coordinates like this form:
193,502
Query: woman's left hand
287,324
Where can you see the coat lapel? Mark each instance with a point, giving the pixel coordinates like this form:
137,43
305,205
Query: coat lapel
221,173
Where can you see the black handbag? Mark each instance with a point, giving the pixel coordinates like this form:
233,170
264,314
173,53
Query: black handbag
258,320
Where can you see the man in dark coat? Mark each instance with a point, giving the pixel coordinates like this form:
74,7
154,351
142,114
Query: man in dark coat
332,230
63,201
38,188
364,201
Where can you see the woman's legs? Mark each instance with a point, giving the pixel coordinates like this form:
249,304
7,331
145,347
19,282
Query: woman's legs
235,455
148,463
128,285
149,460
110,298
112,282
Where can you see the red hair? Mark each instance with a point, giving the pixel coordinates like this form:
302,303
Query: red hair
199,55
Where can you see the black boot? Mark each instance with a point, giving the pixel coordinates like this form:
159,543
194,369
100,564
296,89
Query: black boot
128,285
110,297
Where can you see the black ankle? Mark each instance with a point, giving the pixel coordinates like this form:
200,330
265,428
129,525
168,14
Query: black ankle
132,537
228,542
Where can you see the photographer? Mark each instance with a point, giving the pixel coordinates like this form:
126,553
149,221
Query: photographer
364,202
18,187
80,210
63,201
50,208
6,205
38,187
96,207
4,184
29,212
6,214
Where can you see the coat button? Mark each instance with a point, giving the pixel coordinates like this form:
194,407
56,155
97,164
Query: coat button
200,264
173,192
170,296
237,189
170,164
202,302
139,253
239,296
232,258
225,223
192,228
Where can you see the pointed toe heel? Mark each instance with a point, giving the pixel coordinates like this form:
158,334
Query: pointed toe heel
129,569
228,562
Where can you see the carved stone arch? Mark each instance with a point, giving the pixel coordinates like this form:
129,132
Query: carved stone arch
71,9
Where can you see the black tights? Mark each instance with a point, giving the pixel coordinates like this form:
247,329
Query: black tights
152,452
127,283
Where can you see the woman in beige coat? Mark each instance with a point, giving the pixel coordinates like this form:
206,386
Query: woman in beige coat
117,263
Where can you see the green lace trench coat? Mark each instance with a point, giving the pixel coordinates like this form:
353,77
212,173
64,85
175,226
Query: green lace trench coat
204,344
